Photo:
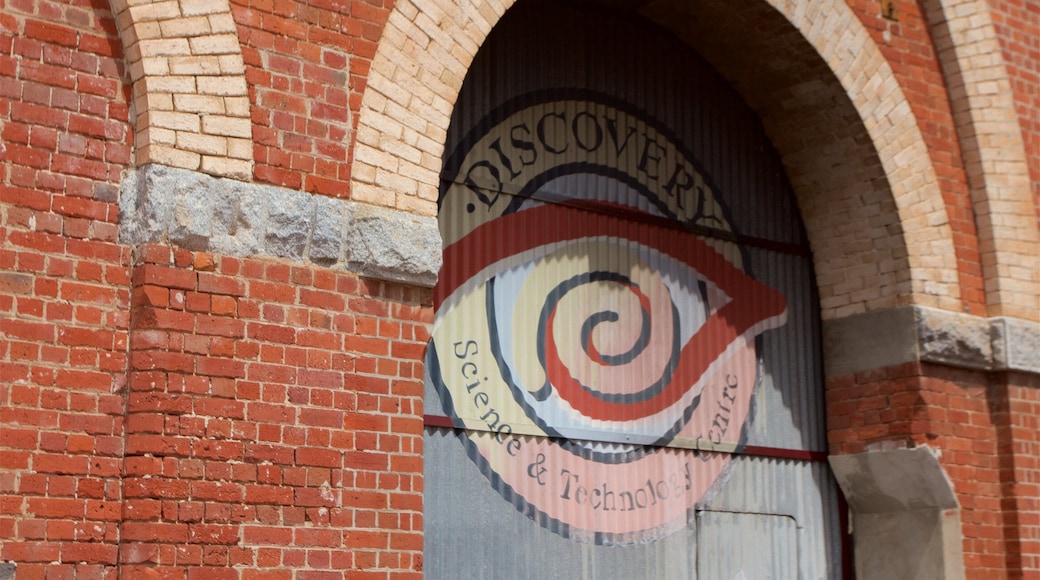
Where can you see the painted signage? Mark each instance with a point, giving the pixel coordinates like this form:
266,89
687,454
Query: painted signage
594,347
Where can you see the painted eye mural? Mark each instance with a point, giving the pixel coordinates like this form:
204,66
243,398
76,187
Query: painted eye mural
585,310
623,376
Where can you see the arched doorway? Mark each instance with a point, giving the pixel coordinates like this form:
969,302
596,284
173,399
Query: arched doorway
624,378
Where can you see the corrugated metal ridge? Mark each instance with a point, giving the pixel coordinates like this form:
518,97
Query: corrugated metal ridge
445,422
668,223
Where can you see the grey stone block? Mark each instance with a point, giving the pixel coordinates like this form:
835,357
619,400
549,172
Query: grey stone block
199,212
869,341
192,214
1016,344
884,338
394,246
330,220
289,218
953,338
240,213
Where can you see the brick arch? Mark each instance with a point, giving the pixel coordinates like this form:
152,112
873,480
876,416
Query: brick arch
189,86
995,154
864,263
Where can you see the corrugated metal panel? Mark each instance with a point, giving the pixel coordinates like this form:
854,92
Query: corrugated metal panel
480,536
803,491
478,533
741,546
790,409
626,288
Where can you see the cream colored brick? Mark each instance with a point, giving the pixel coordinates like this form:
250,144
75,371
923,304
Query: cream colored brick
222,22
199,103
363,173
432,86
204,144
232,64
215,44
153,67
450,78
426,145
407,117
226,86
426,59
389,89
151,11
133,54
240,148
153,102
185,27
415,205
367,136
237,106
385,68
375,102
995,158
372,194
433,9
392,36
155,136
429,193
437,133
166,84
139,31
133,3
431,163
400,149
227,126
430,61
199,7
374,157
164,47
194,65
396,182
171,120
165,155
224,167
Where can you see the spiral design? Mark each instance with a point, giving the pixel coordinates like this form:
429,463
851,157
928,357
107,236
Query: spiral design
607,328
628,338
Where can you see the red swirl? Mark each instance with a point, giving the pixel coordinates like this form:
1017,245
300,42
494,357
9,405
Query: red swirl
752,305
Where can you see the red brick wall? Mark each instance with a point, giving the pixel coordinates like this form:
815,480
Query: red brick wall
906,42
988,434
306,65
1018,29
274,419
64,292
1019,446
180,412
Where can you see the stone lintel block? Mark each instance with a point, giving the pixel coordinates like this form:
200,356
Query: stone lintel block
393,245
893,336
161,204
1016,344
289,222
953,338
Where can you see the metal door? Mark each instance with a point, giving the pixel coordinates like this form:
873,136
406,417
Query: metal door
624,375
